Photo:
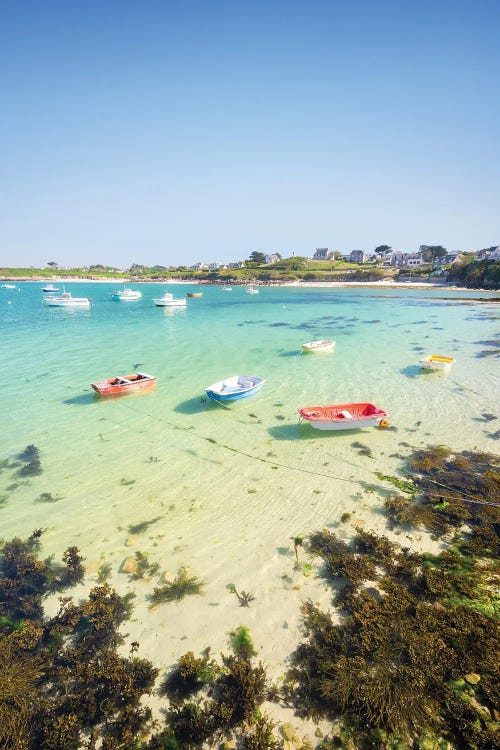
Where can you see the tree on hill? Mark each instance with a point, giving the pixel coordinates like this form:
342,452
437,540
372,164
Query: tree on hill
382,249
257,257
431,252
53,264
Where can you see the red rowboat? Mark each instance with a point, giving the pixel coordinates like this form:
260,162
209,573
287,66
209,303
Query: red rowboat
344,416
124,384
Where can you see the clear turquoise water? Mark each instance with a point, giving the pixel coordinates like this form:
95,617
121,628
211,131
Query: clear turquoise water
226,488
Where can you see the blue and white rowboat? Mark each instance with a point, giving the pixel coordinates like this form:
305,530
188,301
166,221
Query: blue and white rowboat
235,387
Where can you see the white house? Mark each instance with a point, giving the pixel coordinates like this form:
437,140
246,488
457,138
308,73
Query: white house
414,260
493,253
322,253
403,260
357,256
272,258
199,267
216,265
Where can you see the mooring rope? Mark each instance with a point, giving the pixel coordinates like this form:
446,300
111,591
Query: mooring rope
466,499
243,453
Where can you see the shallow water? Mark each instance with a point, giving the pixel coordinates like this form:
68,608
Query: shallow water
224,490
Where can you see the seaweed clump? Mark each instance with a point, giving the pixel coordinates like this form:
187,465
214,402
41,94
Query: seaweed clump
211,701
340,560
453,490
244,598
182,585
64,685
144,567
31,458
25,580
413,661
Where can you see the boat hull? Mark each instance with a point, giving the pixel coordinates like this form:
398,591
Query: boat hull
235,388
170,302
352,416
113,387
75,302
318,347
194,294
127,298
435,362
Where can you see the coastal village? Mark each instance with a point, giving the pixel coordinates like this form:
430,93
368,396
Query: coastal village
432,264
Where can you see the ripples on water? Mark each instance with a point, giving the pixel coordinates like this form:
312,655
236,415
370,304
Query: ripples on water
227,487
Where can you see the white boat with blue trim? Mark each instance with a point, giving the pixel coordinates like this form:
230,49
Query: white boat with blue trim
235,387
125,295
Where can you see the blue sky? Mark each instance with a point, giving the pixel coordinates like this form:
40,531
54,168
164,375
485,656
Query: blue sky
166,132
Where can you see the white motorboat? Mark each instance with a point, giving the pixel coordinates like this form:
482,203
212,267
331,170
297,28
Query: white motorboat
437,362
168,300
125,295
8,286
251,290
323,345
67,300
227,288
50,288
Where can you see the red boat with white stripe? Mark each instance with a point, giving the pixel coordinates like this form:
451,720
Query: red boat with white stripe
344,416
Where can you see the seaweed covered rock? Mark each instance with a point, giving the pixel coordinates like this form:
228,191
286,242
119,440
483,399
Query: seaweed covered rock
396,670
211,702
63,681
453,490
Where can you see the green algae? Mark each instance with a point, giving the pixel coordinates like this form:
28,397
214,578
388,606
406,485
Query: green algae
173,591
241,643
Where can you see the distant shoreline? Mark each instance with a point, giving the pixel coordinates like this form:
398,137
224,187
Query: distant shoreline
388,284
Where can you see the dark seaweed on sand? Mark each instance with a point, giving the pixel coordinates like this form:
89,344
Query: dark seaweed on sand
409,659
413,660
63,681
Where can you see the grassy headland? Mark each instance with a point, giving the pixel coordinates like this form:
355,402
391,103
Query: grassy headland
469,273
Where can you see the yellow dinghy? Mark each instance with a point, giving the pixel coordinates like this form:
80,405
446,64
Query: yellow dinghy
437,362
